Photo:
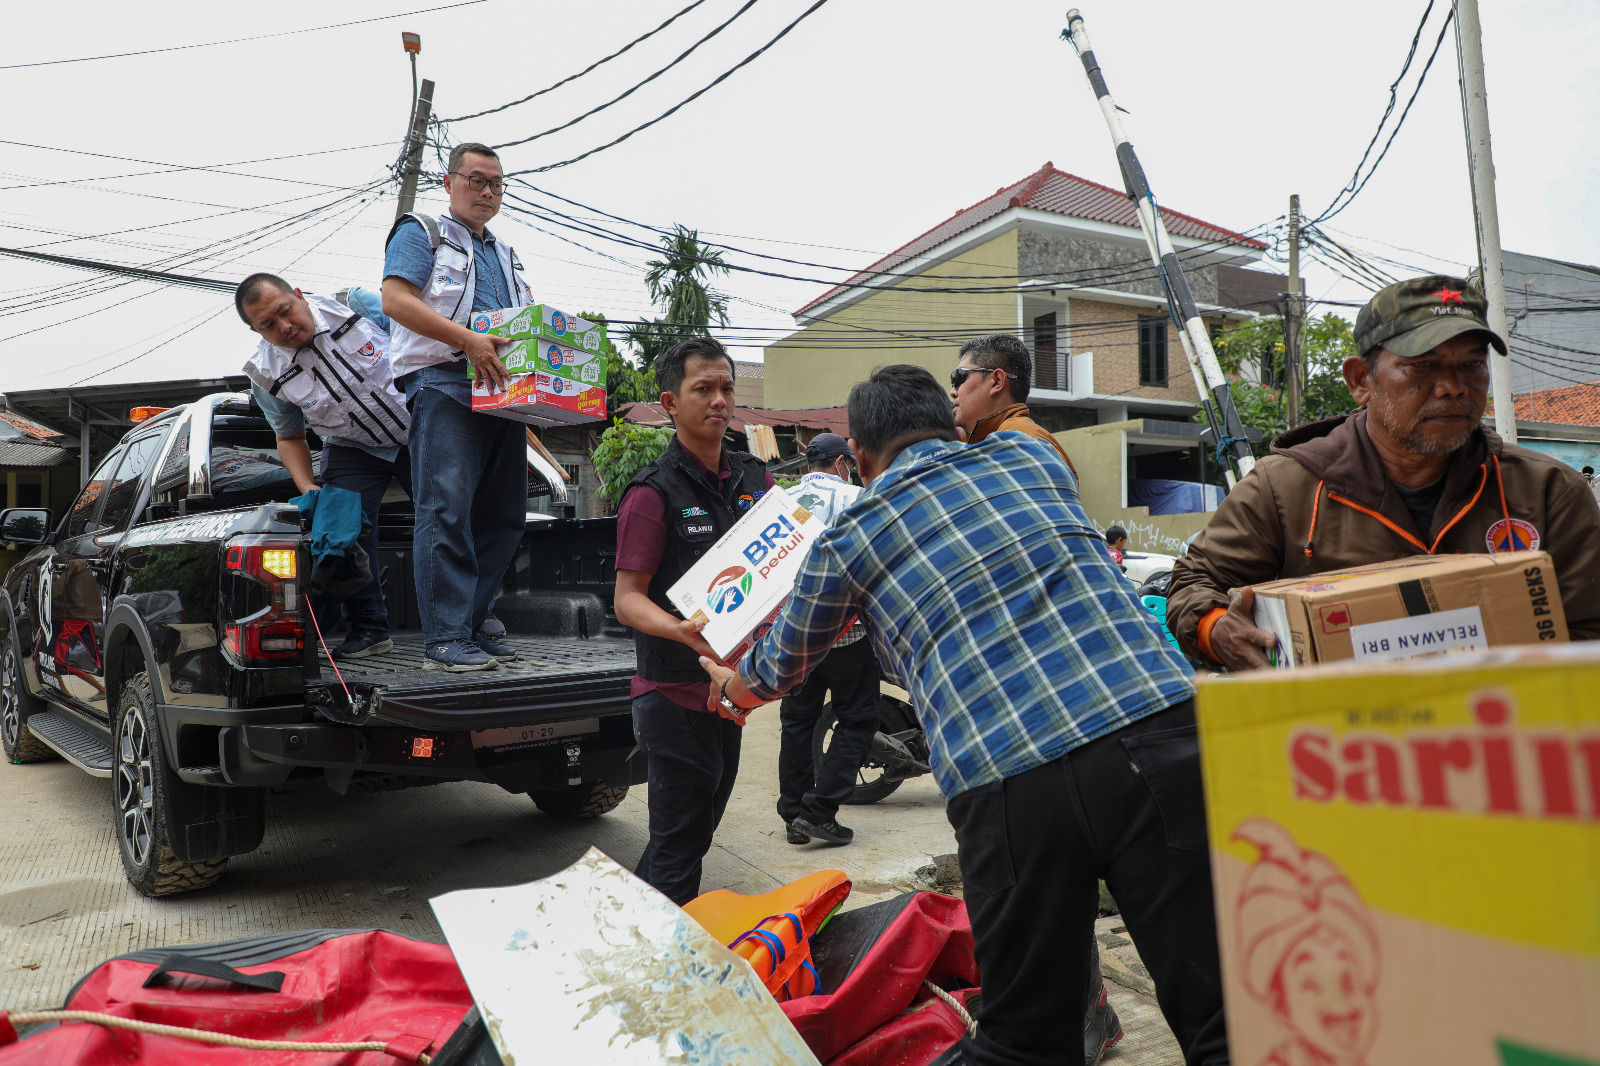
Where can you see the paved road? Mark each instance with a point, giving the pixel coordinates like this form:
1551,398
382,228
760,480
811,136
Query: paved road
374,860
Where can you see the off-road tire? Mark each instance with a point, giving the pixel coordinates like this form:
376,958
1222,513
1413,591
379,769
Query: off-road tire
140,784
17,704
576,802
870,786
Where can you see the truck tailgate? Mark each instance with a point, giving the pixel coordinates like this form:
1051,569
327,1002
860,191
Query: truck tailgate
552,679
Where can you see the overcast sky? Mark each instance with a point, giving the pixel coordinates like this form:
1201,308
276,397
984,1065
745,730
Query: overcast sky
871,121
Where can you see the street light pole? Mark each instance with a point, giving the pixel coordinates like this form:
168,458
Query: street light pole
416,133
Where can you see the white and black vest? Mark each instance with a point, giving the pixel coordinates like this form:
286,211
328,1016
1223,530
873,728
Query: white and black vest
342,379
450,288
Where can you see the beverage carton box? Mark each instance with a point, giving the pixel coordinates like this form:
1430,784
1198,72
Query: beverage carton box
1413,607
574,364
1406,858
541,399
737,587
541,322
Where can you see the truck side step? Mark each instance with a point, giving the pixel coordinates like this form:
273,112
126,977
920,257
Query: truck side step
87,750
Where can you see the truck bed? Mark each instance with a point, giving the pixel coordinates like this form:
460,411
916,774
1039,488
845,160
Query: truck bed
560,676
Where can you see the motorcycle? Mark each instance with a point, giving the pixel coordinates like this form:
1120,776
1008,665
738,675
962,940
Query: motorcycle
899,749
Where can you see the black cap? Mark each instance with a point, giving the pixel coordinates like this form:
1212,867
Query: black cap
826,446
1412,317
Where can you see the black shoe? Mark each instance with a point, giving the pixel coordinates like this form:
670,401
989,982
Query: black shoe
794,836
361,645
1102,1030
504,652
829,832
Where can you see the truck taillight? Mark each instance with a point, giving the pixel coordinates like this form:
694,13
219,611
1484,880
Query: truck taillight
262,621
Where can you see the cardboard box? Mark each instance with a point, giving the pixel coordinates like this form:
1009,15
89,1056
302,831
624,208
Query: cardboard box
541,399
1406,859
739,585
526,357
1414,607
541,322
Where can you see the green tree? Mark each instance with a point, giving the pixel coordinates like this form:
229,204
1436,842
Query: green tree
1325,343
626,448
679,284
625,381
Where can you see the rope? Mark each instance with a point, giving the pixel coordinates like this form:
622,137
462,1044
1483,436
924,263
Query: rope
951,1002
200,1035
1224,444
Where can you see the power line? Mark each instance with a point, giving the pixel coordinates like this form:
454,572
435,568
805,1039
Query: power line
173,168
748,4
581,73
237,40
1353,187
720,78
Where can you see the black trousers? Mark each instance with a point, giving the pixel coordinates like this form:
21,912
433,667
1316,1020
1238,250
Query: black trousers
692,760
1127,807
362,472
851,673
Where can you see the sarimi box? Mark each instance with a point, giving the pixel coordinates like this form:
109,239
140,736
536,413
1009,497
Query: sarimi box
541,321
1413,607
740,583
541,399
1406,859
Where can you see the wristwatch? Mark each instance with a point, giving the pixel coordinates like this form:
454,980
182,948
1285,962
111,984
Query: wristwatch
728,703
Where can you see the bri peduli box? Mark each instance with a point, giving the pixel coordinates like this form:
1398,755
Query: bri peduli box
541,399
1413,607
1406,859
739,584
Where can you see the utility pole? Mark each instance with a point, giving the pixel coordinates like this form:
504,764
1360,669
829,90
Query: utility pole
1210,383
1291,320
1485,211
416,136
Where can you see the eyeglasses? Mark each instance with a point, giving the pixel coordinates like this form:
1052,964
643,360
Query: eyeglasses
959,374
480,183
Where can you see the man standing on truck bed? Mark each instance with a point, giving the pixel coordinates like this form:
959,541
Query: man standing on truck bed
671,513
469,471
322,365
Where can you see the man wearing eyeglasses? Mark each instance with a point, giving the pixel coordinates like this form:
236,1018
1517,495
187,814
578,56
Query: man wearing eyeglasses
469,471
989,388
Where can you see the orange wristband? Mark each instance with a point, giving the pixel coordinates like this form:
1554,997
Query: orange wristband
1203,632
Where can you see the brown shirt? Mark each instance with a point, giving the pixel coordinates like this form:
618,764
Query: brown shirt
1015,418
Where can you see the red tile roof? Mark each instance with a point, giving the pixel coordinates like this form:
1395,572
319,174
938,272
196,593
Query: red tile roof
1572,405
1046,189
829,419
28,426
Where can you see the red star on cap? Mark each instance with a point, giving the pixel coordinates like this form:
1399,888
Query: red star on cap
1448,295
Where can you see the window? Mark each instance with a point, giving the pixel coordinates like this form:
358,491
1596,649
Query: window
88,500
1044,352
1153,351
123,491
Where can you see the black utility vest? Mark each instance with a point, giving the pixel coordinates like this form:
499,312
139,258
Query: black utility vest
696,515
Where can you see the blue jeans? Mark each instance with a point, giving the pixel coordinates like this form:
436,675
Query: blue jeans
469,476
362,472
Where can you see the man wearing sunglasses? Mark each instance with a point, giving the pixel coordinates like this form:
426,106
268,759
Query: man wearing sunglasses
469,471
989,388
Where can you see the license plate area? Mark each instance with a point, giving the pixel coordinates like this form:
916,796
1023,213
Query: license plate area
509,738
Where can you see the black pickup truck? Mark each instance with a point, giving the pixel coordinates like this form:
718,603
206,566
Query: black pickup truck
160,636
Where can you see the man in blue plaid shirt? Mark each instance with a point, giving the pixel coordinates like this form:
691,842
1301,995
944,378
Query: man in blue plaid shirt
1061,722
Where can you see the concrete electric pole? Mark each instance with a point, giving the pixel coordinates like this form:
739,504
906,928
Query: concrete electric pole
416,136
1292,319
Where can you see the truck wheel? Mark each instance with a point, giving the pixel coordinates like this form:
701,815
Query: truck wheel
16,704
141,784
588,800
872,779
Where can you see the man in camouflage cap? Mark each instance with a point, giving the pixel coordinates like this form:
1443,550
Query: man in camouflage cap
1411,472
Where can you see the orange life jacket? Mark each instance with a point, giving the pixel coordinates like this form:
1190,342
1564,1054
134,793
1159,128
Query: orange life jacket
773,931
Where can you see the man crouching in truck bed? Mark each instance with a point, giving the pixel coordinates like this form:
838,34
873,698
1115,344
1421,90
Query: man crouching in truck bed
1412,472
671,514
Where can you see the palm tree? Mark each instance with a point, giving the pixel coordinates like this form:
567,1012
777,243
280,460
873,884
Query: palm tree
678,284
